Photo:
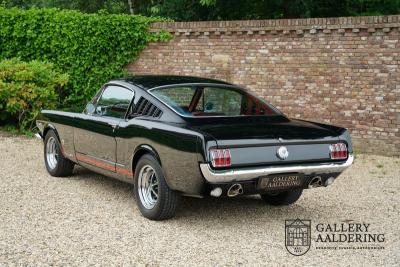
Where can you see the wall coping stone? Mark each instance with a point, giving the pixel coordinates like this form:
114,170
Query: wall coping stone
281,26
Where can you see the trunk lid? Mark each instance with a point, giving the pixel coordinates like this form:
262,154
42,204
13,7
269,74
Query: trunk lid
255,140
273,127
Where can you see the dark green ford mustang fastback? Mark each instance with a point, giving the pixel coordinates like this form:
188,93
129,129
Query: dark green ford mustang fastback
173,136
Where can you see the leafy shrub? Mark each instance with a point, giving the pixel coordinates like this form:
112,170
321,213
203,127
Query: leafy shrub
91,48
26,88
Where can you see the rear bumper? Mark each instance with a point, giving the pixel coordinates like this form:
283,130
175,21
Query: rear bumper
234,175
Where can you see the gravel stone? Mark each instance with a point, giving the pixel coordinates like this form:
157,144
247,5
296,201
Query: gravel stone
89,219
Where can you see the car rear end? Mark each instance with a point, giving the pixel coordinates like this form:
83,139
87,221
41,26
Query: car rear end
253,147
243,164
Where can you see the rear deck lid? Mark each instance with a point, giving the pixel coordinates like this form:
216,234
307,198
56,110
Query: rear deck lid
256,140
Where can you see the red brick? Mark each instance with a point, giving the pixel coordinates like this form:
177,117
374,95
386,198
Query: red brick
342,71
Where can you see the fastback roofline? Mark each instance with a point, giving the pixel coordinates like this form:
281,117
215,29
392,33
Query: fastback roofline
196,84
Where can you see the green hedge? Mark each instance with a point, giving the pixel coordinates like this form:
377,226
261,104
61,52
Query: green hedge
90,48
26,88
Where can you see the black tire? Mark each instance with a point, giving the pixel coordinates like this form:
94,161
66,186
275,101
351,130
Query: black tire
167,200
282,198
62,166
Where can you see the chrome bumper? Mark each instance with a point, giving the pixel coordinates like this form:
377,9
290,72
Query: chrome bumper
38,136
221,176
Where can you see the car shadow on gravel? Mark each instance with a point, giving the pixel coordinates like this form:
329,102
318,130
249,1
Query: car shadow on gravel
253,208
101,181
199,210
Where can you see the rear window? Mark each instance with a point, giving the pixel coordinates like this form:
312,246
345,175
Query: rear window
213,101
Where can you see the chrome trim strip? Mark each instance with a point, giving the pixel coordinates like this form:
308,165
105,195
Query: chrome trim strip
96,158
196,84
221,176
38,136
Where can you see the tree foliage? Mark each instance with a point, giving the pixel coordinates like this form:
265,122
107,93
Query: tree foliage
269,9
187,10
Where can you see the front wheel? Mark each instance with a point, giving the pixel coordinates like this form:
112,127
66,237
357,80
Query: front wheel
156,201
56,164
282,198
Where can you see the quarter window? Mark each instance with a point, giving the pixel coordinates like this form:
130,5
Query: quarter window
114,102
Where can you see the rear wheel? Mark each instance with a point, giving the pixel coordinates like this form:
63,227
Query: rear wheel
282,198
56,164
156,201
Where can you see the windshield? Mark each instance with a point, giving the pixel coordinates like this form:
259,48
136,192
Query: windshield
207,101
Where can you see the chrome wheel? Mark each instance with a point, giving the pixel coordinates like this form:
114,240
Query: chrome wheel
51,153
148,187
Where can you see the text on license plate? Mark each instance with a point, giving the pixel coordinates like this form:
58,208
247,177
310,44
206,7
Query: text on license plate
281,181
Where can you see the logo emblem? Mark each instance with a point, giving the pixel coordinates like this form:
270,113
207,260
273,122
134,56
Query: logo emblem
297,236
282,152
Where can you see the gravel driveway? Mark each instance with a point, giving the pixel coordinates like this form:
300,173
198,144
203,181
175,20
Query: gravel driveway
90,219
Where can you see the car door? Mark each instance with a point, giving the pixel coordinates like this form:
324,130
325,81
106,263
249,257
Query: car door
94,134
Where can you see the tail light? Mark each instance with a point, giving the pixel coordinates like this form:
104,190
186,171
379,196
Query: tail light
338,151
220,157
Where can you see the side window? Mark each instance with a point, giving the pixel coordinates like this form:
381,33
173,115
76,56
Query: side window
114,102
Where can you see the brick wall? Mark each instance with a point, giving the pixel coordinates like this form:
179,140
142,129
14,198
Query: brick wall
343,71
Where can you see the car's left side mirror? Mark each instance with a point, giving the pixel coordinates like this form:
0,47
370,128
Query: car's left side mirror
90,108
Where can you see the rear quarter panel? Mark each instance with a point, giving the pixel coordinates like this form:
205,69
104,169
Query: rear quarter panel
177,148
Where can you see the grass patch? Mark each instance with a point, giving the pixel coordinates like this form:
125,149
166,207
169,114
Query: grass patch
13,130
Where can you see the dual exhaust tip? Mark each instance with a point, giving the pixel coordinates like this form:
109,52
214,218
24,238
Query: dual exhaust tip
237,189
317,182
233,191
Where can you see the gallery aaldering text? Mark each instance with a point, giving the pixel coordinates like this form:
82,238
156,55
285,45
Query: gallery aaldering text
347,233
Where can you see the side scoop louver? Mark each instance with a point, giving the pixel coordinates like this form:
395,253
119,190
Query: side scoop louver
145,108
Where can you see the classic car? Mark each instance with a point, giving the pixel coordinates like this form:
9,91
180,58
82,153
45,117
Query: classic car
175,135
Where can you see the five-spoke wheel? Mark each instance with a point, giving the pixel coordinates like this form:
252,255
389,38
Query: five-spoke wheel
56,163
148,186
51,152
156,201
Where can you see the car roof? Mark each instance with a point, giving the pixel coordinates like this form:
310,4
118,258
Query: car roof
151,81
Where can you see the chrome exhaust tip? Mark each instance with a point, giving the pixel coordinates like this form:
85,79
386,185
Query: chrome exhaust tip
315,182
329,181
216,192
234,190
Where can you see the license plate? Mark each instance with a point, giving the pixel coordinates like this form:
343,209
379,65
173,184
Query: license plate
281,181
